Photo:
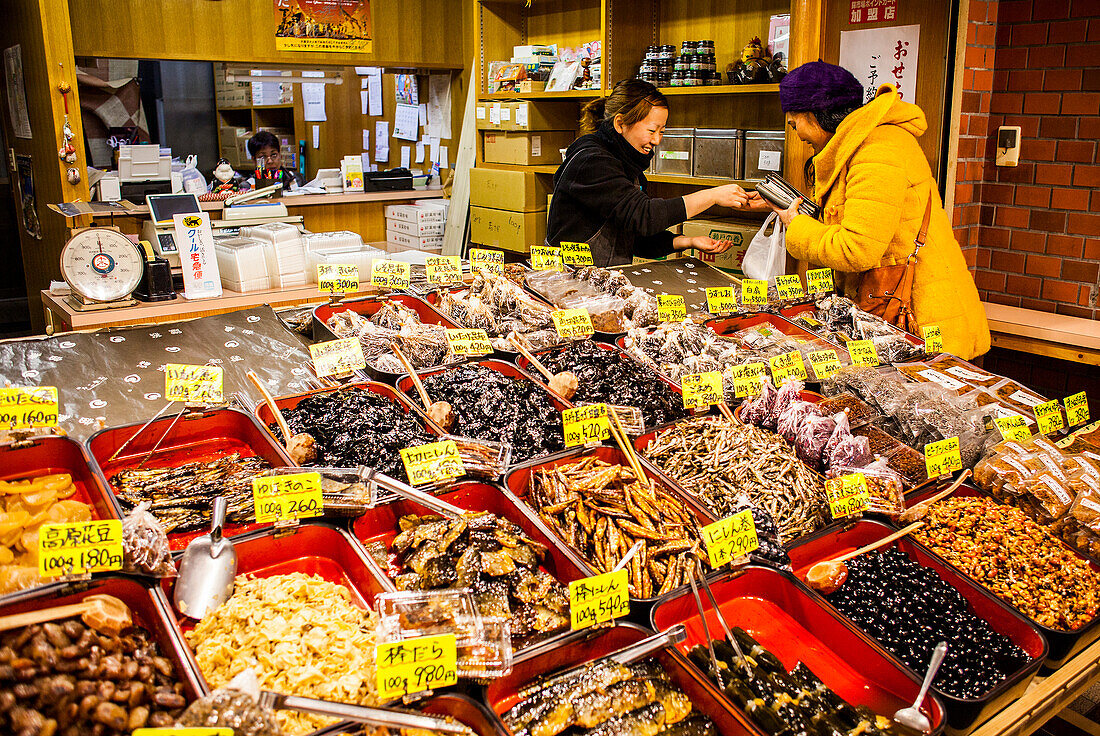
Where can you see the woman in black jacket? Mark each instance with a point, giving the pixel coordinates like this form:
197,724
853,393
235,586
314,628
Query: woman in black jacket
599,190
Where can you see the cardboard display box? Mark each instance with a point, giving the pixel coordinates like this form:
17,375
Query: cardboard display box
526,149
515,231
740,232
518,191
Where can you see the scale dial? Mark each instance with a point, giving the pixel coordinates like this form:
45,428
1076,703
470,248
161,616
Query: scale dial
101,265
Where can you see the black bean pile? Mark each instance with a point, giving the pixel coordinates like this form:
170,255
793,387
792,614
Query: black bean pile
491,406
909,609
357,427
612,377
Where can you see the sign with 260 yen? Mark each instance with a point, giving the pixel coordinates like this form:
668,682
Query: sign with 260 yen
287,497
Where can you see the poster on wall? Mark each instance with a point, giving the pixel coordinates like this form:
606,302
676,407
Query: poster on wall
28,205
882,56
17,92
338,26
872,11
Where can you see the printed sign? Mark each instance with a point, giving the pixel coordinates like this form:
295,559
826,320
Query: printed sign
28,407
594,600
701,390
584,424
390,274
433,462
576,254
730,538
416,665
942,457
79,547
196,384
671,308
872,11
573,324
469,342
199,262
825,363
721,300
287,497
819,280
337,278
490,260
337,357
443,269
789,286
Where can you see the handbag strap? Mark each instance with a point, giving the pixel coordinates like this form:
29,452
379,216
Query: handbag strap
922,234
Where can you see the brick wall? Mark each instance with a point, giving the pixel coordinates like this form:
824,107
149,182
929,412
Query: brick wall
1036,234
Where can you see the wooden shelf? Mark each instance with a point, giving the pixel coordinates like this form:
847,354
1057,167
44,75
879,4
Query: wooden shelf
284,106
723,89
687,181
580,94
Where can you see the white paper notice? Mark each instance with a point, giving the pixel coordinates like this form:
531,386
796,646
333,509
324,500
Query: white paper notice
374,91
365,158
882,55
443,158
316,136
362,71
381,141
423,113
770,161
406,156
201,278
439,105
406,122
364,101
366,140
420,153
313,99
521,114
434,146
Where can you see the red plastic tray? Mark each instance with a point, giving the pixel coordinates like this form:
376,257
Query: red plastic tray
1063,644
789,313
195,438
791,624
516,481
379,524
48,455
728,325
962,714
460,707
502,694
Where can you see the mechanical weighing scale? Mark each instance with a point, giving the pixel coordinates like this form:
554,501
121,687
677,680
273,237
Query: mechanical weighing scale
102,268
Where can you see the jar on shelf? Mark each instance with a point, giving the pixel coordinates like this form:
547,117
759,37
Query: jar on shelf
667,53
709,63
677,79
682,64
692,79
663,80
652,53
687,48
705,47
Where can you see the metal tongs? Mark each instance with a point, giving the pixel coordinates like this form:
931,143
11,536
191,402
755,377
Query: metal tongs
698,572
438,505
382,717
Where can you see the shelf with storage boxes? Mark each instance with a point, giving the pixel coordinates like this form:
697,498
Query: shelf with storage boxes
508,208
245,108
415,227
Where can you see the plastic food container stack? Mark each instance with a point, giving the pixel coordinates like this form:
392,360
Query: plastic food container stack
332,239
361,256
284,252
242,264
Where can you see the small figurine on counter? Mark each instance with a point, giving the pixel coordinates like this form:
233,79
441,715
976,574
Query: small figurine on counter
756,65
225,179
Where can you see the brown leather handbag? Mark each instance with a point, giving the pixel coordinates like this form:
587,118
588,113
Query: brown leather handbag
887,291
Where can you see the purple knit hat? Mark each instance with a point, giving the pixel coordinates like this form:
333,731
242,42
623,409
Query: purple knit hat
819,86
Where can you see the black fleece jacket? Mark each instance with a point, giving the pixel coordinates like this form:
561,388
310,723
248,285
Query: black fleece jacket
600,199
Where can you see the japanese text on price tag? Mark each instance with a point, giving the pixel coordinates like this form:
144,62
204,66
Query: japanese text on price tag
824,362
746,379
819,280
671,308
433,462
469,342
29,407
1012,428
390,274
337,357
721,300
1077,409
196,384
598,598
788,365
1049,416
847,494
546,258
79,547
416,665
576,254
337,278
286,497
730,538
942,457
754,291
573,324
490,260
700,390
584,424
789,286
443,269
863,353
933,339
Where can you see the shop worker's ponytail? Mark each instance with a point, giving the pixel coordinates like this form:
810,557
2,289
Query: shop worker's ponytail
631,98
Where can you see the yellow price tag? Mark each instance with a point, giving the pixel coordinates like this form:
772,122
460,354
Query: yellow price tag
847,494
490,260
337,357
730,538
1049,416
584,424
433,462
789,286
573,324
286,497
190,731
788,365
416,665
754,291
79,547
819,280
599,598
443,269
721,300
824,362
933,339
197,384
469,342
671,308
576,254
1077,409
700,390
28,407
337,278
545,258
863,353
942,457
1013,428
746,379
390,274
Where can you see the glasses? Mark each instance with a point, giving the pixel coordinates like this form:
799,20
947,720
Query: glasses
271,158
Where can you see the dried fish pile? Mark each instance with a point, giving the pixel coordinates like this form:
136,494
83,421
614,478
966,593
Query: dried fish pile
497,305
181,497
720,463
494,559
678,348
601,510
394,324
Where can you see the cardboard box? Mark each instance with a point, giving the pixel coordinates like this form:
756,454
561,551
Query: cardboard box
416,229
526,149
515,231
518,191
531,117
410,242
414,213
741,233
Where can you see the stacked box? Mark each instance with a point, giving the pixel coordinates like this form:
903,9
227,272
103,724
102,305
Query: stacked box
508,208
415,227
739,232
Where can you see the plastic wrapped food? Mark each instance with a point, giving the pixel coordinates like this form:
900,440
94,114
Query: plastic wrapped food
605,311
676,348
497,305
790,391
614,304
884,486
859,412
425,345
145,544
852,451
813,435
841,432
760,409
791,419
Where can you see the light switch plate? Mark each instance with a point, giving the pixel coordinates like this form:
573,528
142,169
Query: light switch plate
1008,145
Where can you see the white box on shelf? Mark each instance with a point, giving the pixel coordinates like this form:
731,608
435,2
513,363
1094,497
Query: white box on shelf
416,229
412,242
414,213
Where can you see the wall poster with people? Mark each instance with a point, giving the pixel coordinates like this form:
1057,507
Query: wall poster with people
339,26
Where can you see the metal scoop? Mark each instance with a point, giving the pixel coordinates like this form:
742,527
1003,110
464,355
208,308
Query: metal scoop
382,717
207,569
911,717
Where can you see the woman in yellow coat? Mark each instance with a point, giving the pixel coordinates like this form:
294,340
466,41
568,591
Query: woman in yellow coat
874,184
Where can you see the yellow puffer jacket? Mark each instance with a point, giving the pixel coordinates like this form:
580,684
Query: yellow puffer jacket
874,183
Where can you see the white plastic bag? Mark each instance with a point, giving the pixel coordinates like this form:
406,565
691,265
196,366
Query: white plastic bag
766,256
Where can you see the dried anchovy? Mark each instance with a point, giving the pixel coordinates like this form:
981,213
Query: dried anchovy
181,497
719,462
601,510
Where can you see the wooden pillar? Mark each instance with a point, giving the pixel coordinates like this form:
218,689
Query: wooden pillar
807,44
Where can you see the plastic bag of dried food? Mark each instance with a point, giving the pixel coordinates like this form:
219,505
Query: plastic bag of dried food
145,544
759,410
813,435
235,706
884,487
788,393
842,431
852,451
791,419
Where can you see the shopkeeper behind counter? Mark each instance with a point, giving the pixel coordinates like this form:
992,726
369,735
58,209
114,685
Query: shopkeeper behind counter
879,201
265,150
600,191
